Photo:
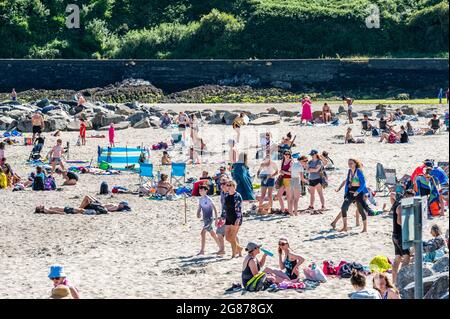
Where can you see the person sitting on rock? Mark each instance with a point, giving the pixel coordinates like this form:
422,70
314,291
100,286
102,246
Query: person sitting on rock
166,120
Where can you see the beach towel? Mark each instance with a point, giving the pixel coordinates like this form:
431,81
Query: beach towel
244,182
380,264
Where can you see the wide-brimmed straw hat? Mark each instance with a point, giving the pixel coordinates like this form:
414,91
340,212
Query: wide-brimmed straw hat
61,292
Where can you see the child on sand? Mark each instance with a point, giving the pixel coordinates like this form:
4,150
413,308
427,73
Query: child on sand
56,155
358,281
385,287
58,276
205,209
112,132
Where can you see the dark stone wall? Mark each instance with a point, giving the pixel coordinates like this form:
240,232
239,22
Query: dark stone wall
173,75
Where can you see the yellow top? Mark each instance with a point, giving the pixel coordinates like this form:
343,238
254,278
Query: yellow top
3,181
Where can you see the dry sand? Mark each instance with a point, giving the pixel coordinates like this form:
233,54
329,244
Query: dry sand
150,253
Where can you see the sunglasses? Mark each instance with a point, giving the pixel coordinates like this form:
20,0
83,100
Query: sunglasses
282,244
287,154
55,278
230,185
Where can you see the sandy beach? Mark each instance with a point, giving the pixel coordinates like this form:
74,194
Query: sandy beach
150,253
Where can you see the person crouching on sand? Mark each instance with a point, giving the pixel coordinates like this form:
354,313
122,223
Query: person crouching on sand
59,277
206,208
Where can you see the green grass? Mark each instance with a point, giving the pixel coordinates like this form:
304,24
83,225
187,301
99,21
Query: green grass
415,101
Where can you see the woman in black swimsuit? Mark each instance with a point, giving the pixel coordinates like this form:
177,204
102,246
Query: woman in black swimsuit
232,210
288,261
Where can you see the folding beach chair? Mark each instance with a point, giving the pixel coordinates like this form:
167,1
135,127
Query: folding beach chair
146,173
178,173
176,138
385,179
365,128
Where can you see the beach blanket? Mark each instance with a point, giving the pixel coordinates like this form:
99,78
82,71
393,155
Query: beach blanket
244,182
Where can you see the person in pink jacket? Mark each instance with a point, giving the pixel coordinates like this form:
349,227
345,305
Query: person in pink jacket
306,110
111,135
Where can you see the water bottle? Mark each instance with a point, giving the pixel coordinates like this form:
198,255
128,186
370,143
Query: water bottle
268,253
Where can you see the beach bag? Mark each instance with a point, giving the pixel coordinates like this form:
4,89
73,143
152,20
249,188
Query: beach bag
315,274
392,138
375,132
104,188
435,208
329,268
50,184
345,271
258,283
380,264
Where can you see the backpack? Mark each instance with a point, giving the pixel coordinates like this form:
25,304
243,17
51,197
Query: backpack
329,268
99,209
104,188
38,183
258,283
345,271
50,184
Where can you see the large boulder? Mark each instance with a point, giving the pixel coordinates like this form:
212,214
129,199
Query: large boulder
408,110
16,114
144,123
68,102
272,110
438,281
43,103
288,113
24,125
341,109
137,117
5,122
124,110
117,127
74,126
441,265
317,114
270,120
381,107
406,275
101,119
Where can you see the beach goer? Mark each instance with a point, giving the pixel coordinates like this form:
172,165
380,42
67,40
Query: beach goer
83,131
166,159
437,242
306,110
434,124
233,218
183,123
402,256
2,150
59,277
366,125
315,170
3,179
288,260
166,120
89,206
355,190
298,181
81,101
70,178
328,163
349,139
252,266
267,172
220,230
326,113
392,137
358,281
241,175
385,287
56,155
403,135
61,292
409,129
349,103
233,153
111,135
237,124
285,183
164,188
383,125
206,208
13,95
218,176
440,95
38,124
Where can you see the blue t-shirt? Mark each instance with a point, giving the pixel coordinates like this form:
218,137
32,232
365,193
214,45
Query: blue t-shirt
440,175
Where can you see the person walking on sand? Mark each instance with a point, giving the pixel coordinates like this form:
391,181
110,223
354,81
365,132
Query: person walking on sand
56,155
355,190
306,110
237,123
267,172
112,133
38,124
83,131
220,231
298,179
206,208
349,103
233,218
441,95
13,95
285,183
315,170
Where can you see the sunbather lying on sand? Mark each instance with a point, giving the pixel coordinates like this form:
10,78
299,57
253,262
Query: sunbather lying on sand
89,206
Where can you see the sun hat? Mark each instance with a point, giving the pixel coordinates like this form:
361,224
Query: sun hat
313,152
61,292
252,246
56,271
